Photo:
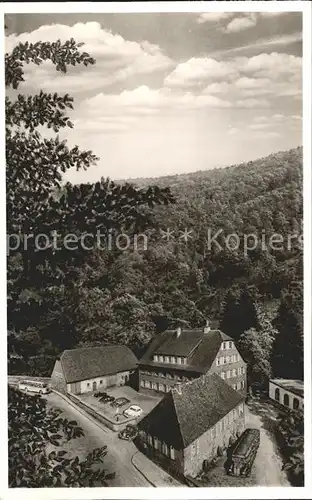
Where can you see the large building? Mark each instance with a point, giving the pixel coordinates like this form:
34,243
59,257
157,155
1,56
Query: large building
93,368
177,356
192,422
286,392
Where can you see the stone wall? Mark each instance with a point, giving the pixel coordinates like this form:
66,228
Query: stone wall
219,436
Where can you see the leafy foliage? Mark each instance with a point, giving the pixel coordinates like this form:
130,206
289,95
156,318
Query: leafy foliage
35,438
291,427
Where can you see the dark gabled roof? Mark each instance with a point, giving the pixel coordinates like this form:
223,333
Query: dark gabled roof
200,348
91,362
182,345
182,417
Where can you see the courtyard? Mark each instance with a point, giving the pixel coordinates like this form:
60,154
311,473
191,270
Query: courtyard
267,469
147,403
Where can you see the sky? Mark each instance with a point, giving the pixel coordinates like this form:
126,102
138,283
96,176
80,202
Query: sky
173,93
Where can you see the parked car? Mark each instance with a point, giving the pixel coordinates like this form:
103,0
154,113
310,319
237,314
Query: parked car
129,433
99,394
119,402
244,453
133,411
107,399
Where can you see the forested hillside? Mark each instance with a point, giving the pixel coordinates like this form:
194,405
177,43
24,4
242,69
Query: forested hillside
127,296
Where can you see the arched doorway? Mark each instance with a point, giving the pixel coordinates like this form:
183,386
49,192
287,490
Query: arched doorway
295,403
94,386
286,400
277,394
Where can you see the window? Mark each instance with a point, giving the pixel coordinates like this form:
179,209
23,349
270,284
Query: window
172,453
101,382
150,440
164,449
88,385
223,346
234,372
184,361
234,387
217,361
238,386
147,384
286,400
154,386
243,370
161,387
228,359
179,361
161,359
142,383
156,444
239,371
241,409
224,360
156,358
234,414
242,384
167,359
295,403
230,345
228,374
223,375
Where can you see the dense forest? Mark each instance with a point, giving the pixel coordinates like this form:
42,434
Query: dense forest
60,299
128,296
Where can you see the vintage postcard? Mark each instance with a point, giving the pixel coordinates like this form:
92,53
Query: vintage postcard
158,189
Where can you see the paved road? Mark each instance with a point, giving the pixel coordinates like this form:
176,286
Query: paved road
268,463
118,458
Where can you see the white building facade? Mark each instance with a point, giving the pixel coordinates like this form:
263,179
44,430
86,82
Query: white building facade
288,393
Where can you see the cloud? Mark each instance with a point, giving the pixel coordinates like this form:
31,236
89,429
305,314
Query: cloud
214,16
116,58
218,88
241,23
251,83
272,14
197,71
261,42
260,119
271,64
118,112
233,131
252,103
268,135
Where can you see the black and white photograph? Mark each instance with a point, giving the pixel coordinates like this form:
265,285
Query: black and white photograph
157,181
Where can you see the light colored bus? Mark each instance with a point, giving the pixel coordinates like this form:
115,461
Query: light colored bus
34,386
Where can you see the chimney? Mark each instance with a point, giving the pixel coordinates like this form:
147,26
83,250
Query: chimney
179,330
207,327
